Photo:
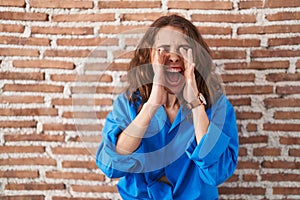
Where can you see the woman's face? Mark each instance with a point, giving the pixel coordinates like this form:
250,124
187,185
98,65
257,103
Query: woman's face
171,39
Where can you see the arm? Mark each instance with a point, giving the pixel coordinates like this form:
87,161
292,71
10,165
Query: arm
216,155
130,139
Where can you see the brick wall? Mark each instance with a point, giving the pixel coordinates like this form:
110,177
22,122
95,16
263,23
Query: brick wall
62,64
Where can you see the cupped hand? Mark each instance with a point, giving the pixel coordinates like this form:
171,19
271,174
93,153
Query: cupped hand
190,91
158,94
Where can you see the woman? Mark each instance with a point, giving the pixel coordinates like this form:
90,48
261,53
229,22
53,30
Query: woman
172,134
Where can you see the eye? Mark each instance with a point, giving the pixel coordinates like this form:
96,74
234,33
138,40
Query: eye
185,47
165,48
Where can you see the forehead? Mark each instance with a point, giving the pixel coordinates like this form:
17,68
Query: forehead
170,35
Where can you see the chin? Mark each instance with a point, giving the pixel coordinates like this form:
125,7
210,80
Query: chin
177,90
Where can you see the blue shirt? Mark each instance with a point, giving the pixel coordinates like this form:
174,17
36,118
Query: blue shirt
193,170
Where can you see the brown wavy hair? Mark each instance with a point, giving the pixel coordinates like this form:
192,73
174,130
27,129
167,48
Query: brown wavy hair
140,73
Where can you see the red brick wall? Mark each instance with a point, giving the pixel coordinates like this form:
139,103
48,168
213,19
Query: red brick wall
51,118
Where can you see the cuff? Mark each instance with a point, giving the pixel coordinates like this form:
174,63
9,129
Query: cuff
211,147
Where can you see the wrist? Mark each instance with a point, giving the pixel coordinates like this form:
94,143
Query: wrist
199,101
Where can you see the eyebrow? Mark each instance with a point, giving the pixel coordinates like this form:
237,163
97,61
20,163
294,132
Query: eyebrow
180,46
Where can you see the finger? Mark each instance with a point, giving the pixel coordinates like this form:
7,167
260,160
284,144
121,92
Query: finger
183,53
190,56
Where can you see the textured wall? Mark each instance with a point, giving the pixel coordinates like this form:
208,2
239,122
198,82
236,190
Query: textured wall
63,62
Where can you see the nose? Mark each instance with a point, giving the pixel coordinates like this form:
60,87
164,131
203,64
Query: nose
173,58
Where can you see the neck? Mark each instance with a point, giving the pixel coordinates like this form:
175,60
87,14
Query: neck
171,101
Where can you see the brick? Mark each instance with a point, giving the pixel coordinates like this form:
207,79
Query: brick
243,151
281,127
275,77
23,16
286,115
212,30
104,17
18,52
18,124
268,29
251,127
98,188
22,76
70,53
12,28
281,164
253,139
86,115
280,177
68,102
229,78
80,164
29,112
77,198
263,151
131,42
274,53
233,178
88,42
84,4
71,127
75,175
294,152
33,88
43,64
240,101
280,4
15,3
230,90
248,115
233,42
81,78
24,41
289,140
34,137
250,4
228,54
230,18
284,41
62,30
98,90
19,174
280,102
286,190
129,4
35,186
69,150
258,65
242,190
250,177
22,149
298,64
201,5
23,197
247,165
140,16
283,16
123,54
21,99
87,138
288,89
28,161
122,29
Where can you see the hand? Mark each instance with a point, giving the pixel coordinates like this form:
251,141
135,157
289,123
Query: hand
190,91
158,94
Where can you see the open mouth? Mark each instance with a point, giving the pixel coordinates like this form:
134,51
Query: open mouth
174,75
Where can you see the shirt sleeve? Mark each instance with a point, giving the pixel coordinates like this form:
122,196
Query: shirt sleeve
111,163
216,155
